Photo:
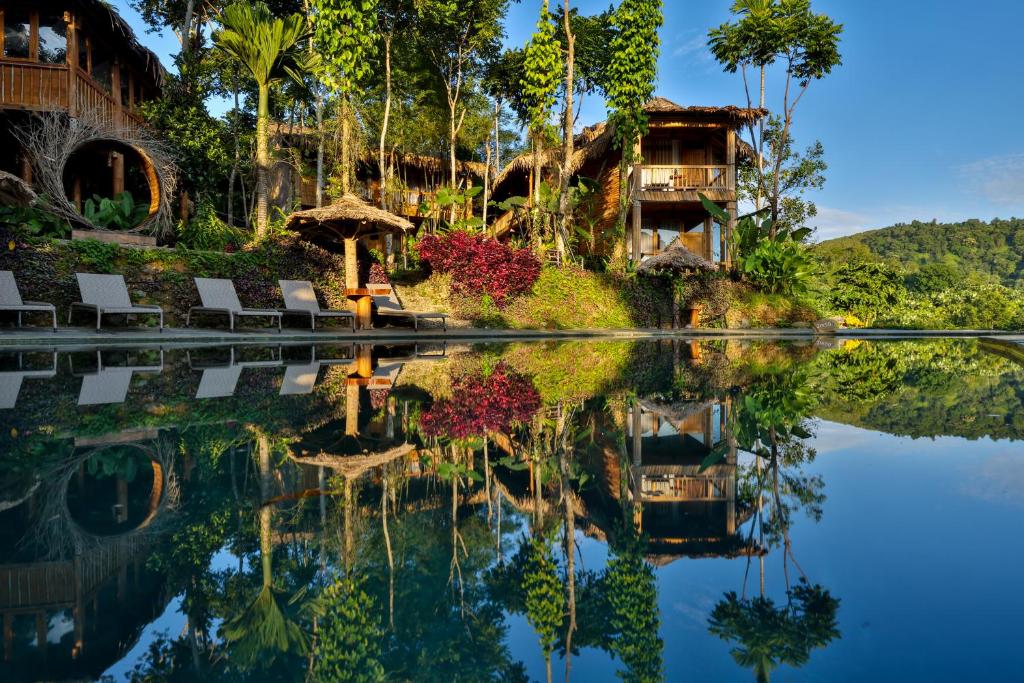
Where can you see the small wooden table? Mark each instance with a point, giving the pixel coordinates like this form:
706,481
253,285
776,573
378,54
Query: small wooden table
364,306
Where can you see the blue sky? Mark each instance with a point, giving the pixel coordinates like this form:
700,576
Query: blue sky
918,123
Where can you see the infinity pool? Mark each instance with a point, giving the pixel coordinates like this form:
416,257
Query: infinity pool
591,511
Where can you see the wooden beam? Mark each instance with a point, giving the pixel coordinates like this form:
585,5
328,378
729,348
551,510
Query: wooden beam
637,225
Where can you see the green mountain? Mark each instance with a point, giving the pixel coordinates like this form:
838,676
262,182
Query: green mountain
995,249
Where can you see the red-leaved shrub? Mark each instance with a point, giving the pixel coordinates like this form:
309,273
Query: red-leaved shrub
479,265
482,404
378,276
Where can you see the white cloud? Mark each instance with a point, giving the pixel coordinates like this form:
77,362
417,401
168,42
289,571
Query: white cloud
837,222
999,179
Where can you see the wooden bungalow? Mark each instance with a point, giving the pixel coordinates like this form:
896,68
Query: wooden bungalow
686,152
77,57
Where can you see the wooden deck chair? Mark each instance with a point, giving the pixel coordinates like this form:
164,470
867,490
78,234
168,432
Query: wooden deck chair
389,306
219,297
300,299
10,300
10,381
108,295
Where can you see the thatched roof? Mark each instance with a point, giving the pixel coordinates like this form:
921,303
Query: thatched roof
675,412
14,191
348,216
677,259
353,466
592,143
737,116
102,12
424,163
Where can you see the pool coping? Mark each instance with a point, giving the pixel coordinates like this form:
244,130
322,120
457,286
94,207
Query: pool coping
175,336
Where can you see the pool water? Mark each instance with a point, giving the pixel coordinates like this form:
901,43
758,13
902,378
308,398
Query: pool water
721,510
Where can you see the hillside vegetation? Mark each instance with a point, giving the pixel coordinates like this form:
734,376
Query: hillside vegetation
993,249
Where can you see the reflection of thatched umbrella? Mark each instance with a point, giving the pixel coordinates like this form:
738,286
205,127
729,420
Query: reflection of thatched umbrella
675,412
14,191
676,259
346,219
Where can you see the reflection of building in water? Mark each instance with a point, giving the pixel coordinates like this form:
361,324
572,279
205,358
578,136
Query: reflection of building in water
74,591
678,476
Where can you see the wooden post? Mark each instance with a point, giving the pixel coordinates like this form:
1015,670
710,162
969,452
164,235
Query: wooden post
26,167
117,172
730,205
709,231
352,409
72,60
76,193
351,264
637,224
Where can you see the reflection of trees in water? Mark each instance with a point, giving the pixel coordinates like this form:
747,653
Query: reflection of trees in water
771,424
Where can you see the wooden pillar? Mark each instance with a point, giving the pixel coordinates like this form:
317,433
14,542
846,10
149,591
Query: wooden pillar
26,167
637,232
351,264
730,206
709,233
352,409
72,59
117,173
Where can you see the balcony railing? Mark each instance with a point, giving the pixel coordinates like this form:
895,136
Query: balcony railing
48,87
684,178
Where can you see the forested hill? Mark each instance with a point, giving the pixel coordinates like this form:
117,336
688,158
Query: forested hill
995,248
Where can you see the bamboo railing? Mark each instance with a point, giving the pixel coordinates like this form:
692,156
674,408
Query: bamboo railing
684,177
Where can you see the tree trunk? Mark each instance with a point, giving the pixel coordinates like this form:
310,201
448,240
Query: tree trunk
319,149
346,151
381,162
262,160
567,133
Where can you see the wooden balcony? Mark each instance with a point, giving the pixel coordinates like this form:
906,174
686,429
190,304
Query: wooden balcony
31,86
684,182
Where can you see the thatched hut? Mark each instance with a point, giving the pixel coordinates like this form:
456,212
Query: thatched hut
677,259
348,220
687,152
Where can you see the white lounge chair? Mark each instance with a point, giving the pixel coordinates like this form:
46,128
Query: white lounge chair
300,299
10,381
108,295
10,300
389,306
219,297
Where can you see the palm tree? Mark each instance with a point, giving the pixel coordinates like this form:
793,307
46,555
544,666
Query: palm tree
269,49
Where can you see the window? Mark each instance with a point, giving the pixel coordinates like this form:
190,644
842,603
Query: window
17,33
53,38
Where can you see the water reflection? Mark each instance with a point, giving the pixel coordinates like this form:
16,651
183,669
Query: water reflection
439,513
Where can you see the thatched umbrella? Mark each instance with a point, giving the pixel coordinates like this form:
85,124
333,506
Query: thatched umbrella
676,259
14,191
346,219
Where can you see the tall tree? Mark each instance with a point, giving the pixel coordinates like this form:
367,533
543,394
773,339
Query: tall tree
457,36
539,83
345,31
632,70
393,16
269,49
568,125
768,32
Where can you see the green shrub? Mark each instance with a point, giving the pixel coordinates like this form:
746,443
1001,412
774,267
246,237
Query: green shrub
32,221
867,289
207,231
119,213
